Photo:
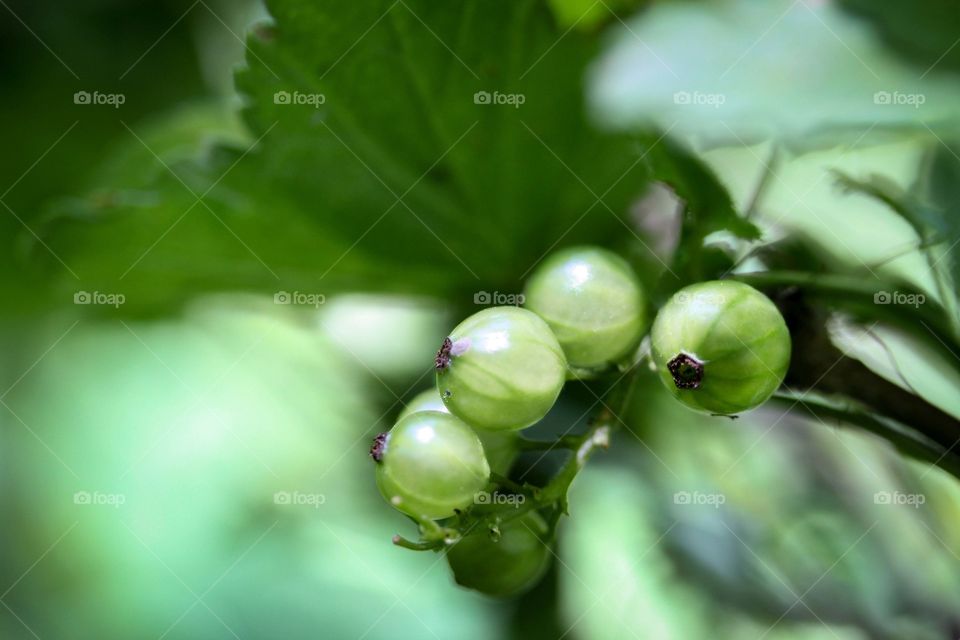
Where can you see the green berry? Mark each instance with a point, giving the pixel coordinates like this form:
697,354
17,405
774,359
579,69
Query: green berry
721,347
426,400
500,446
592,300
430,465
500,369
504,566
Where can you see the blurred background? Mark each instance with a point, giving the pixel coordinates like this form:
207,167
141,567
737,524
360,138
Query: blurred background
200,339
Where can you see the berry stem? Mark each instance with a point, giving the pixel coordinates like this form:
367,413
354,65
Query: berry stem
552,496
596,437
504,481
400,541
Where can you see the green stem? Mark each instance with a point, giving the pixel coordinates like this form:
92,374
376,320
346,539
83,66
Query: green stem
428,545
596,437
553,496
516,487
857,294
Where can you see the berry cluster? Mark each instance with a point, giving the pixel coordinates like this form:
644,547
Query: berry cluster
720,347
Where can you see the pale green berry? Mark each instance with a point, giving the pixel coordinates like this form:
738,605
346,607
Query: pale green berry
721,347
500,446
593,301
500,369
430,465
426,400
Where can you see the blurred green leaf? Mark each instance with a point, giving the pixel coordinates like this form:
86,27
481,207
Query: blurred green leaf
936,228
736,71
904,359
716,527
925,31
587,14
852,232
234,442
708,209
939,188
52,146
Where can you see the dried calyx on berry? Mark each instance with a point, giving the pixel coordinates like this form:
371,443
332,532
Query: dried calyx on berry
720,347
686,370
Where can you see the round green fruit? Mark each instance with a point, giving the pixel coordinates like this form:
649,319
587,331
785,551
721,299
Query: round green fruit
721,347
592,300
426,400
500,446
500,369
430,465
503,567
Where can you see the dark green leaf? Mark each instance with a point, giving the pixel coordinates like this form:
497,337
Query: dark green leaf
924,32
396,178
708,209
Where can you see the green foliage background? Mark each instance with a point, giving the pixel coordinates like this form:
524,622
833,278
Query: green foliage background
198,400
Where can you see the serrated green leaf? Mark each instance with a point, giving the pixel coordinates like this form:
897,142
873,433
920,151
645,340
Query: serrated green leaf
380,163
484,186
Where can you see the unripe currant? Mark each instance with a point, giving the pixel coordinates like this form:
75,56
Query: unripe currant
430,465
506,565
500,369
593,302
426,400
500,446
721,347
